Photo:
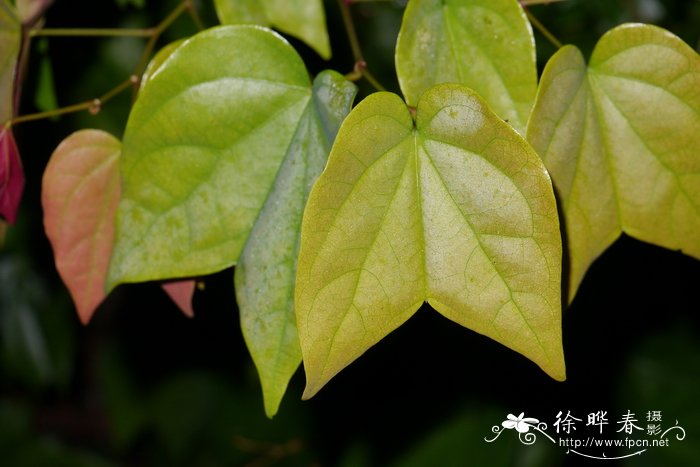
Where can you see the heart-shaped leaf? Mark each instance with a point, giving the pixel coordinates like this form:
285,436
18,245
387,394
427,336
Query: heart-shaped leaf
265,276
621,139
11,176
80,194
486,45
456,209
10,29
304,19
202,147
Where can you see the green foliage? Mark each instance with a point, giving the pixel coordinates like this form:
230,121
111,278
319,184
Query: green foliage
435,198
305,19
486,45
620,138
404,215
229,141
265,276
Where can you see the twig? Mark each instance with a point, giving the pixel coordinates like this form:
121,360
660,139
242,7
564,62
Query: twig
526,3
543,30
360,68
95,105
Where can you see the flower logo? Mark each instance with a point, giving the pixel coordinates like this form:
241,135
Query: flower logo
521,424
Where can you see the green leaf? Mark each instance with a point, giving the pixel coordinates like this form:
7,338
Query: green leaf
621,139
304,19
201,150
265,276
79,196
158,59
9,48
486,45
456,210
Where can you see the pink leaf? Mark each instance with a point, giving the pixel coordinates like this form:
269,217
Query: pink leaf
181,292
11,176
80,194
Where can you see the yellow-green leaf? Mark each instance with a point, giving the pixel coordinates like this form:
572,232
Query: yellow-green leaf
621,139
456,210
486,45
304,19
9,48
158,60
202,147
265,275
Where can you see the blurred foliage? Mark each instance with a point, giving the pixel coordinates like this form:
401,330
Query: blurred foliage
143,385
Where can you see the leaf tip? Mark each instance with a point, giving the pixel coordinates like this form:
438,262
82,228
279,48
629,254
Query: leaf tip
181,293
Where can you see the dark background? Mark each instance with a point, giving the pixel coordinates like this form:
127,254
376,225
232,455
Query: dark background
143,385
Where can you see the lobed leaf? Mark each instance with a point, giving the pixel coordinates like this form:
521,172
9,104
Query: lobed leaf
304,19
486,45
456,210
621,139
265,275
202,147
80,194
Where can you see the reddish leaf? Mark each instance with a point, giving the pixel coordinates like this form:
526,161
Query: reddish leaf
80,196
11,176
181,292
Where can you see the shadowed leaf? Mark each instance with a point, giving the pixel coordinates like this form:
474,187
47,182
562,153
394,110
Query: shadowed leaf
265,275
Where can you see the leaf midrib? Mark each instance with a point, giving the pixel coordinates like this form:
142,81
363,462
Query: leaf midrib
483,251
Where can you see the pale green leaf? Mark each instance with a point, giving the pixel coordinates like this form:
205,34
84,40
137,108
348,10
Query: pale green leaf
621,139
202,146
457,210
265,275
486,45
304,19
9,48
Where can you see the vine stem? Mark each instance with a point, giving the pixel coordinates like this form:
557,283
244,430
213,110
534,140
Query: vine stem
73,32
543,30
360,69
94,105
526,3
